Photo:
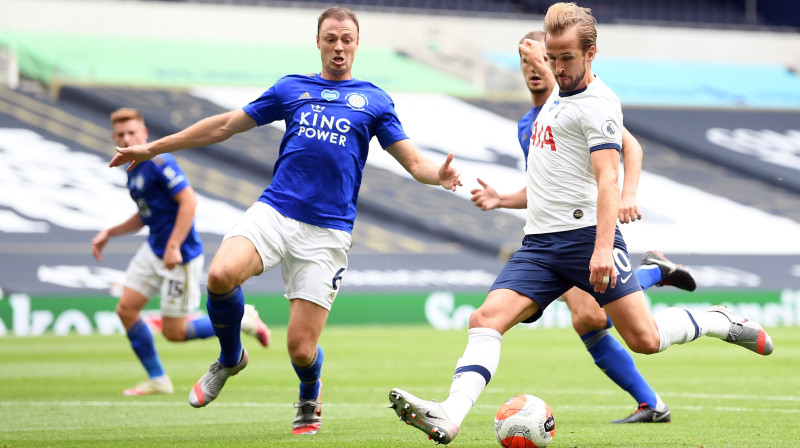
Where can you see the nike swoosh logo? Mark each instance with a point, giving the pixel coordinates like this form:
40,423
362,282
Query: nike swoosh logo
625,279
428,414
658,418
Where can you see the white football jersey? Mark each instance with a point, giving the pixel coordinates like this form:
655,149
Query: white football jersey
561,188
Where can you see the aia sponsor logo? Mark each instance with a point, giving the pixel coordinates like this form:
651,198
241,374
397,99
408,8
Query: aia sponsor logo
542,137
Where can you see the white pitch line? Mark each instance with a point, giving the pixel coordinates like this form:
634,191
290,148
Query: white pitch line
598,392
246,404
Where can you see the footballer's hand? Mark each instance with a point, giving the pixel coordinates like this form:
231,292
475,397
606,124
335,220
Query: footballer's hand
98,243
486,198
131,155
628,209
172,257
449,177
602,272
533,52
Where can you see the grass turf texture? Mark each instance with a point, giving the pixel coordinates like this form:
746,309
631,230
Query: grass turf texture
67,392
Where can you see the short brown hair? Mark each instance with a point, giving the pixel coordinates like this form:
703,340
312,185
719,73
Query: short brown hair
124,114
533,35
562,17
339,13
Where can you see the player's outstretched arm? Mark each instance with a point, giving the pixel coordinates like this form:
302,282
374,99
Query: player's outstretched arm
424,169
203,133
487,198
632,164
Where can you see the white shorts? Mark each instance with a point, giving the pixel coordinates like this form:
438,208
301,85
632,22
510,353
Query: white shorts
179,287
313,259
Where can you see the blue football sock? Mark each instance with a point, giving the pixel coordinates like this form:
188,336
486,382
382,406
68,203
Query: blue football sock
648,275
145,348
199,328
225,312
618,365
309,376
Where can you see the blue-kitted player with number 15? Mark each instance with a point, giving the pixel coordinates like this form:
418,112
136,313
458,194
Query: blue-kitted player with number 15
169,263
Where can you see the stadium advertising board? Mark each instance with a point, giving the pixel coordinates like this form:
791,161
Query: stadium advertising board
24,315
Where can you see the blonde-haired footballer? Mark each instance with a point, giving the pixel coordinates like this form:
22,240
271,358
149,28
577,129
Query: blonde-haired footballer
571,237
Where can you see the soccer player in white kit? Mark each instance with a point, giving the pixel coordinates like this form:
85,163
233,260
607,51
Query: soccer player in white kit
571,236
588,319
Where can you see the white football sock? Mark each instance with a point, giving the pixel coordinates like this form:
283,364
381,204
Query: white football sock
660,405
679,326
718,324
473,371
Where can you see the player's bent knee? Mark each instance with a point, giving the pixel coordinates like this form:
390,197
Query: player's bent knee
478,319
300,353
645,345
590,321
222,279
127,313
174,335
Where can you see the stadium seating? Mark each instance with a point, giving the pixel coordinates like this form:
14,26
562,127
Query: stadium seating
722,13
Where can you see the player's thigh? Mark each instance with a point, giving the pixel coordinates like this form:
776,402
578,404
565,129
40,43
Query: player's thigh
586,313
253,246
633,320
143,275
502,309
574,251
236,260
315,264
528,275
180,288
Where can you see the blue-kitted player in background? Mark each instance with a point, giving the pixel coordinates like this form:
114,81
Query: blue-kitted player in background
304,219
169,263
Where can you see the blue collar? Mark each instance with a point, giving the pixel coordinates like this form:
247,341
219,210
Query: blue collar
574,92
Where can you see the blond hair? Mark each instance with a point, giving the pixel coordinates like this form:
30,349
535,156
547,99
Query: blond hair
124,114
562,17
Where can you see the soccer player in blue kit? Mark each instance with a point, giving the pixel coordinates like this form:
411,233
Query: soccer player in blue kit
571,237
304,218
588,319
170,262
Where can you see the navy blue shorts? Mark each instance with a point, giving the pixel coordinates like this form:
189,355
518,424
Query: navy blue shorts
548,265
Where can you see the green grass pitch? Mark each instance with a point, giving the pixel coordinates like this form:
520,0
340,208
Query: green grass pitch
66,392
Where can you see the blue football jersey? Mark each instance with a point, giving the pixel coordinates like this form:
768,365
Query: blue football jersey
322,155
152,185
524,130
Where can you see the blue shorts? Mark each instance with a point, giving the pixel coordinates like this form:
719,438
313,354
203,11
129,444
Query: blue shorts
548,265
